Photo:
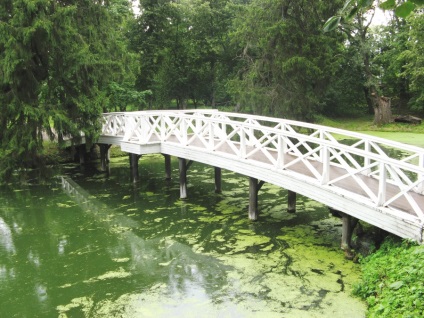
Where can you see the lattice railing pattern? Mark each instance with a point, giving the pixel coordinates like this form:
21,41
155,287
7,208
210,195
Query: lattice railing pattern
330,156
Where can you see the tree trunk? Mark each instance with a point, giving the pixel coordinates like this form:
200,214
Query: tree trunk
369,101
382,110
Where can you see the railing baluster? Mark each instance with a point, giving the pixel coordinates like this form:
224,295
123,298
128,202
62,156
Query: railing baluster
282,150
223,130
242,142
381,195
367,160
321,152
198,125
211,136
421,176
129,125
325,157
183,131
162,128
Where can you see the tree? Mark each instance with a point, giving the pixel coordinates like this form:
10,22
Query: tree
357,29
345,92
351,21
57,58
185,51
414,57
402,9
389,45
287,60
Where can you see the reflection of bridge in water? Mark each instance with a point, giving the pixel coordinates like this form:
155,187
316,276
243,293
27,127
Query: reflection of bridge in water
154,258
362,180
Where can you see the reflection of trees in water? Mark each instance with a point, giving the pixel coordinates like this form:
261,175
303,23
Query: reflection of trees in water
28,237
154,259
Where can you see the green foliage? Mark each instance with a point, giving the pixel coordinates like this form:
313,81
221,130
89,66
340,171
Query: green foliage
398,56
57,60
414,68
385,61
392,282
184,50
63,63
287,61
124,97
402,9
332,23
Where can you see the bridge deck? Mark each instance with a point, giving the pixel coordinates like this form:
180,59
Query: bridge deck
363,180
347,183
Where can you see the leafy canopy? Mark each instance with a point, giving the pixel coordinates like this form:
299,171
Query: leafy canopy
402,8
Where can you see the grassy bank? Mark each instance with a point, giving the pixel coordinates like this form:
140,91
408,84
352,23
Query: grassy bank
404,133
365,123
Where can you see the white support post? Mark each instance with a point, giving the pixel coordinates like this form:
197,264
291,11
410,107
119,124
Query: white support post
198,124
162,128
325,157
183,131
321,152
223,131
130,127
250,140
116,125
111,125
282,149
211,136
421,165
242,143
367,161
145,127
381,196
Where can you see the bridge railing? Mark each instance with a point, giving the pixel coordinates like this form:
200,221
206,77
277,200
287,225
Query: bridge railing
118,123
113,124
328,156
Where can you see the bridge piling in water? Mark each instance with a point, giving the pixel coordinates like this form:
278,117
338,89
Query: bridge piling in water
254,187
134,167
104,155
348,225
291,201
183,166
218,179
167,166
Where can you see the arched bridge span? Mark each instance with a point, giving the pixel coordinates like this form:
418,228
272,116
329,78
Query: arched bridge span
372,179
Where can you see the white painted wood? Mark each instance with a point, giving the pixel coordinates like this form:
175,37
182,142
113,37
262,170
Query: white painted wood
420,187
141,149
110,140
381,197
273,150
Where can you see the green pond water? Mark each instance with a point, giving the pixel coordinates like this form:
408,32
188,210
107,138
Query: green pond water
104,247
415,139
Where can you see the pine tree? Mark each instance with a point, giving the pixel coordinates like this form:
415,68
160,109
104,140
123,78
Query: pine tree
57,59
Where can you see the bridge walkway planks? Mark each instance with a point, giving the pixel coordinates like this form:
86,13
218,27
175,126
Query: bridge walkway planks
348,183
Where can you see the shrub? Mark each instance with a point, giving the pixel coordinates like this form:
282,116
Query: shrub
392,282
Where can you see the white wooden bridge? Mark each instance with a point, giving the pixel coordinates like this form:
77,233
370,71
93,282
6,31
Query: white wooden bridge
375,180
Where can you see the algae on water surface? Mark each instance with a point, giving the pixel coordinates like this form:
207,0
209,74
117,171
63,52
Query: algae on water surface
130,250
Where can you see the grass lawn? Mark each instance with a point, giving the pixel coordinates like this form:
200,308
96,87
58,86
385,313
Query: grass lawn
405,133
